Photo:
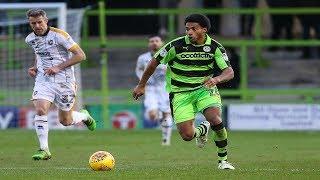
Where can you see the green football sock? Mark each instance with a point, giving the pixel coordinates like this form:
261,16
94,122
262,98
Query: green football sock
220,139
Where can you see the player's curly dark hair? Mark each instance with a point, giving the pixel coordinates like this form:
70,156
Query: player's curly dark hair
201,19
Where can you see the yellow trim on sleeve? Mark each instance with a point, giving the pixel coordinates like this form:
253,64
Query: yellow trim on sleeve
62,32
74,46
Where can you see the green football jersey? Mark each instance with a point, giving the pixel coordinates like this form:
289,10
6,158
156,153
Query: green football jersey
189,65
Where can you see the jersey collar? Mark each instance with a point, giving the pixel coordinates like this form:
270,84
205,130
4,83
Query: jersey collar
208,41
46,33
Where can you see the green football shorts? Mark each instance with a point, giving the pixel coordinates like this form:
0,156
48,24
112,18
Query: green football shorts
185,105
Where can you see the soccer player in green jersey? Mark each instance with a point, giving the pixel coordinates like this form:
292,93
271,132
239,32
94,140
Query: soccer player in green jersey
190,61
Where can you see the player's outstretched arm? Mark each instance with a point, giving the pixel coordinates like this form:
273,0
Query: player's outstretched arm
77,56
226,75
139,89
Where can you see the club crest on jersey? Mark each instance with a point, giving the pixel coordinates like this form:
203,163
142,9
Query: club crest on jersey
163,53
206,49
50,42
225,56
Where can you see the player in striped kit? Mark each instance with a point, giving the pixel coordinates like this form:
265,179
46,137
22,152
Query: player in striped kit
190,79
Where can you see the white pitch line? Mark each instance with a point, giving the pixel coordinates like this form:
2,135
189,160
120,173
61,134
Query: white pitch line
237,169
279,170
55,168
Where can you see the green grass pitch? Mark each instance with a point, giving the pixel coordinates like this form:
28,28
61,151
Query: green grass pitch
138,155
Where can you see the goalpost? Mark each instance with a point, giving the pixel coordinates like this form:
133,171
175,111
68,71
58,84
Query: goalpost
16,57
60,8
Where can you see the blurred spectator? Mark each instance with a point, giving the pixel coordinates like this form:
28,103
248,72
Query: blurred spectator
308,22
163,19
246,20
3,19
214,19
280,22
235,64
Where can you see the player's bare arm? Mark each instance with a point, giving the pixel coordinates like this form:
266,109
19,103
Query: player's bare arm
77,57
139,69
139,89
32,71
226,75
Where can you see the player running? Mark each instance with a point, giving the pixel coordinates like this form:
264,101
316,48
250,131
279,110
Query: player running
156,98
54,78
191,60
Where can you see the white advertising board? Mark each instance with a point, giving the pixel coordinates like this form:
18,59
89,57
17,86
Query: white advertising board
274,117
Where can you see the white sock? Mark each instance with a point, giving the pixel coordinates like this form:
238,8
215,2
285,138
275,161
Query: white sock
78,117
166,128
42,130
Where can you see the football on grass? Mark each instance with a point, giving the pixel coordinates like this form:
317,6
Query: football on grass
101,161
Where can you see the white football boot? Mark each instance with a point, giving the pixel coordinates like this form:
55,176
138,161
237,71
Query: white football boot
225,165
165,143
